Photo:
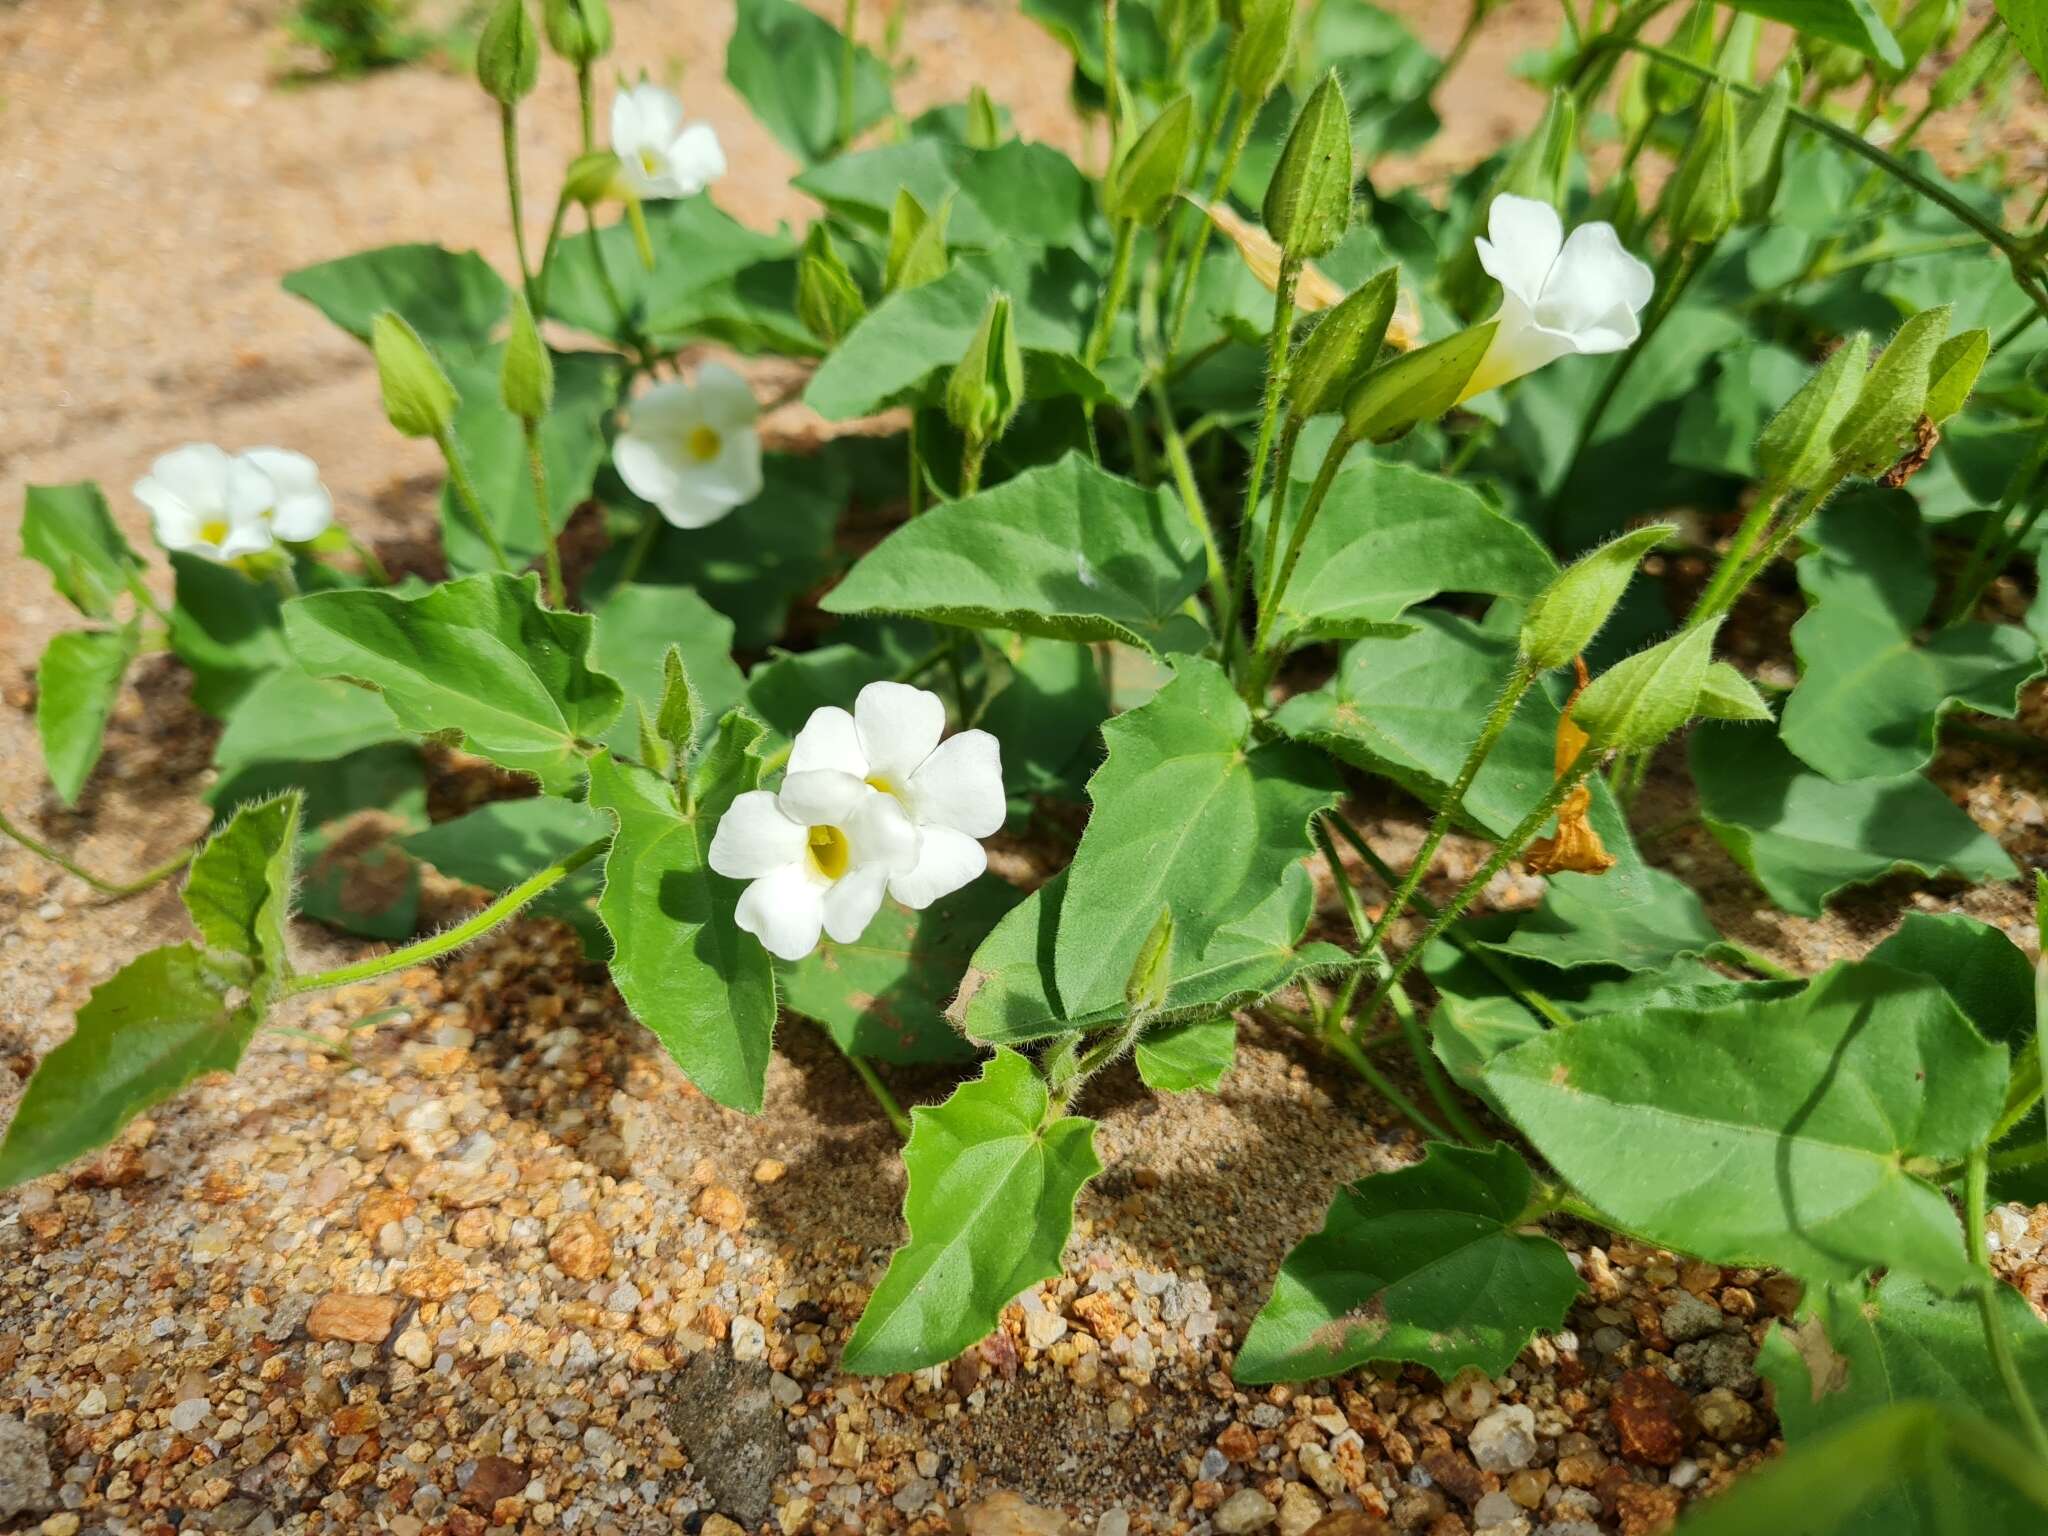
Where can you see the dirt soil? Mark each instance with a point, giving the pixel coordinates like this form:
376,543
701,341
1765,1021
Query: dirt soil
505,1269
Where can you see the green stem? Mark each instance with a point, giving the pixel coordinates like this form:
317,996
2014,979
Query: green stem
875,1086
1994,550
145,597
1340,1044
847,57
465,492
537,468
372,566
1750,960
508,121
1112,79
1190,493
453,938
1715,596
1226,173
586,116
105,887
972,451
1433,1078
629,328
1262,663
1245,576
915,498
1975,1177
1518,683
547,254
1112,292
1509,846
641,547
1459,45
1177,219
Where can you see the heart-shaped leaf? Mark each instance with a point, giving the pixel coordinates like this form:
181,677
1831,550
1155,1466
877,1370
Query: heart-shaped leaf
68,530
77,681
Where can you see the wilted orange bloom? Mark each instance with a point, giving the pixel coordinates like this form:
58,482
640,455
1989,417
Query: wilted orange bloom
1314,290
1577,847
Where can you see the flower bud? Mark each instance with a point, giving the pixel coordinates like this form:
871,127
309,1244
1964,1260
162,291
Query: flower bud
1703,199
1415,387
508,52
579,30
1568,613
828,301
1142,184
1308,201
1259,53
1735,55
1794,452
1760,147
1345,342
527,382
1145,991
592,178
1957,362
917,242
675,718
1975,73
1637,702
986,389
984,120
418,399
1886,416
1673,90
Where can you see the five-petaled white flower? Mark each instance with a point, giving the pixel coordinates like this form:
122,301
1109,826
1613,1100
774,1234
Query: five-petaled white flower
691,449
206,502
660,156
819,852
1557,295
952,790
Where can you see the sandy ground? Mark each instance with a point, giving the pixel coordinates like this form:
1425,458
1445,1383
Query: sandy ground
538,1225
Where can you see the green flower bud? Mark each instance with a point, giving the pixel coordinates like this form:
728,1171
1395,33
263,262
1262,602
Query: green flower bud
418,399
984,120
1143,182
1795,450
508,52
675,718
592,178
1345,342
917,242
1568,613
1886,415
828,300
1760,147
1728,695
1264,42
1145,992
1924,27
1957,362
1308,201
1673,90
1415,387
1703,199
527,383
1636,703
1735,57
579,30
1976,72
986,389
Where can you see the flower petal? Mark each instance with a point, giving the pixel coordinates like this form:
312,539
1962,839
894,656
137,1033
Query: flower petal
1527,236
695,159
946,861
851,902
649,465
828,740
1519,346
1594,275
821,797
301,507
723,398
880,832
899,725
961,785
755,837
196,474
784,910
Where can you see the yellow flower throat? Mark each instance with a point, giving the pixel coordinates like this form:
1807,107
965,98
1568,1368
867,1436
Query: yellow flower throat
828,852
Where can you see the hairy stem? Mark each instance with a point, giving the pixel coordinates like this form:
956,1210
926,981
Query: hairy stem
1112,292
100,883
508,122
551,555
1240,135
454,938
1262,661
1190,494
1975,1177
880,1090
972,451
1993,548
465,492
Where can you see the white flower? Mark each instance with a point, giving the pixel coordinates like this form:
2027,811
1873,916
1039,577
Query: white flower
818,852
203,502
300,507
1557,295
692,449
658,155
952,790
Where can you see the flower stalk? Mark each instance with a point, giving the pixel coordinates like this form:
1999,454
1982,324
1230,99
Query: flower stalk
106,887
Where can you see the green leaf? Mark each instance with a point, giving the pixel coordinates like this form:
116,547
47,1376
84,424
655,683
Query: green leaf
884,995
784,61
1640,922
493,445
1239,820
992,1184
1423,1264
1389,537
904,348
713,279
77,682
1007,996
1068,551
239,890
1871,697
161,1022
1643,698
1852,23
1046,715
1783,1132
478,659
1982,970
1407,707
2027,20
705,989
1194,1053
227,629
68,530
452,298
1855,1351
289,716
1029,193
636,625
1804,839
1878,427
499,844
1727,695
